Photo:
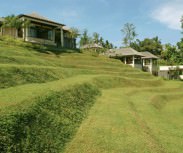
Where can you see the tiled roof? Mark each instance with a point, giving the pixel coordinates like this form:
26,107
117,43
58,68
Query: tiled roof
91,46
148,55
39,17
123,52
1,19
66,28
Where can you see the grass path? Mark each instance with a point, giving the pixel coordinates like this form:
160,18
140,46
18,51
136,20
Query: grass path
120,123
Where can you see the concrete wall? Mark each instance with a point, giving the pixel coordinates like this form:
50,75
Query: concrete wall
138,66
163,74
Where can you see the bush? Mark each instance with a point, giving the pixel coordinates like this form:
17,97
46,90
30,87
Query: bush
49,124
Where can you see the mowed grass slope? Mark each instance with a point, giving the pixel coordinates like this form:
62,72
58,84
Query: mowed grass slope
48,92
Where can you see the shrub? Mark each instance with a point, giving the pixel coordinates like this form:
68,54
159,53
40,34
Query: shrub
49,124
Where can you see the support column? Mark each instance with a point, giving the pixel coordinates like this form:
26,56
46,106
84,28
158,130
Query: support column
125,60
133,61
26,33
53,36
23,30
151,65
62,37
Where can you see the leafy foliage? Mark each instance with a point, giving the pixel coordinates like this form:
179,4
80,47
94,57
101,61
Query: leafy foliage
85,39
73,34
48,124
151,45
96,37
129,33
14,22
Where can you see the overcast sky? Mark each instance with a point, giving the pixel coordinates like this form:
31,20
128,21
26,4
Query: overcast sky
107,17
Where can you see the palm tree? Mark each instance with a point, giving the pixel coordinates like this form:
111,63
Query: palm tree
13,23
181,23
85,39
96,37
129,33
73,34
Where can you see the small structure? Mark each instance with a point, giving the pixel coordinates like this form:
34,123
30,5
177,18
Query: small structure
128,56
41,30
171,72
149,62
92,46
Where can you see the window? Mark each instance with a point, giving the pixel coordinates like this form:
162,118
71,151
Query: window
122,60
41,32
138,60
129,60
20,33
155,62
147,61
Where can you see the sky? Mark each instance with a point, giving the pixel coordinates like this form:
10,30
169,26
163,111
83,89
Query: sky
107,17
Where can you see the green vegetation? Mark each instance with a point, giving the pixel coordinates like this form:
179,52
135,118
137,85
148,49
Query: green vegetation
48,104
129,33
48,123
168,54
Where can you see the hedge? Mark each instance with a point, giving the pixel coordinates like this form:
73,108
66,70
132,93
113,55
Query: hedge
49,123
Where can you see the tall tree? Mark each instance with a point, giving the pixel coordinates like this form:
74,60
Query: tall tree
107,44
129,33
152,45
180,50
84,39
101,41
13,23
182,23
96,37
73,34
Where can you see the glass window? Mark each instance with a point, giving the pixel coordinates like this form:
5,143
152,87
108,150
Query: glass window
123,59
155,61
129,60
138,60
40,32
147,61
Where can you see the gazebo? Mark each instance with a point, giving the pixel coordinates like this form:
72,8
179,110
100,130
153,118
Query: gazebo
149,62
92,46
128,56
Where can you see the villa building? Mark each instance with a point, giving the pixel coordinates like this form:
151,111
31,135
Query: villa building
149,62
41,30
171,72
141,60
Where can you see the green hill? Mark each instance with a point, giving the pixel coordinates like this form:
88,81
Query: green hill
55,100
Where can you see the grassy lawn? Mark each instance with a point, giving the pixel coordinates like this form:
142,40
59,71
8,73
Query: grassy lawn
124,120
136,112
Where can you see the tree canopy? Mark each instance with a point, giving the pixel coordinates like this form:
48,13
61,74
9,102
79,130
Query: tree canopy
152,45
129,33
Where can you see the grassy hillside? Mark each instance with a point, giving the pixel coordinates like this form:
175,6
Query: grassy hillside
65,101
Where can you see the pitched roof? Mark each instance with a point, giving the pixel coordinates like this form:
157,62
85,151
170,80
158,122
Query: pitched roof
66,28
123,52
1,19
148,55
39,17
91,46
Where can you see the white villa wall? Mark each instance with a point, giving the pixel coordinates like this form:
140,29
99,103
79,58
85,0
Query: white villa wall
164,71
